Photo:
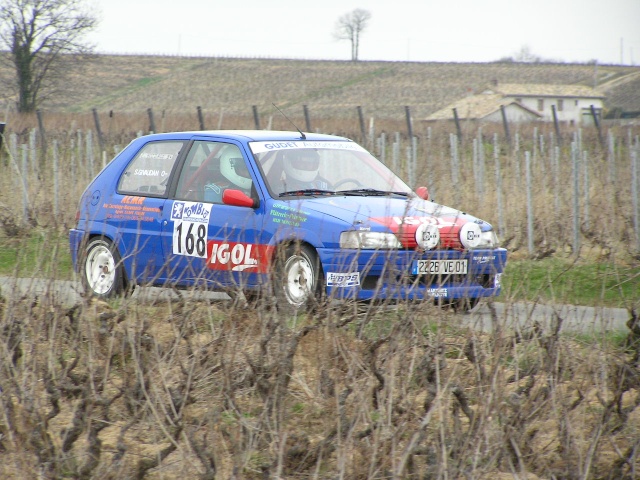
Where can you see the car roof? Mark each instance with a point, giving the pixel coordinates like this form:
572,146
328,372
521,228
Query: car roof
250,135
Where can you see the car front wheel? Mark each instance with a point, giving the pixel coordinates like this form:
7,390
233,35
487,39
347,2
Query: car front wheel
297,279
101,269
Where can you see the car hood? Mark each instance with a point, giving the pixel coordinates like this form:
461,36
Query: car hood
399,215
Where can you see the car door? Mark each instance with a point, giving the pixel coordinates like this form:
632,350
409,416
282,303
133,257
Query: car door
136,208
206,242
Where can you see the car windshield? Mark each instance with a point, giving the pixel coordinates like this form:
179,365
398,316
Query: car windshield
313,168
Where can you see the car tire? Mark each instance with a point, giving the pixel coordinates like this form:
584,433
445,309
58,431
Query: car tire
101,269
297,279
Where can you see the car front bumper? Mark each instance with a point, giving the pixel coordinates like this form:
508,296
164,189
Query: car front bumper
385,275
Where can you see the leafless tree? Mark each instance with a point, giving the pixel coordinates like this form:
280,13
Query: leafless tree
350,26
42,37
525,55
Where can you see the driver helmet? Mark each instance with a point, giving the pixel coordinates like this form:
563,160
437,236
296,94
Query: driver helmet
302,165
234,168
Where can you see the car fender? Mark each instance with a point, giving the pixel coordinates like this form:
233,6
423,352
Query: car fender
298,235
109,232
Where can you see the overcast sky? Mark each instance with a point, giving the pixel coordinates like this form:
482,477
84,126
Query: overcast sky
416,30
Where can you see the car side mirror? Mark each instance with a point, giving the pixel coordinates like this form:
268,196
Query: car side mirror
423,193
238,198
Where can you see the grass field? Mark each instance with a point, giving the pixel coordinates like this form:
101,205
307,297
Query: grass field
567,280
192,389
166,389
331,89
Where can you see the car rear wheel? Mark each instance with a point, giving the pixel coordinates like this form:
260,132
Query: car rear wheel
101,269
297,279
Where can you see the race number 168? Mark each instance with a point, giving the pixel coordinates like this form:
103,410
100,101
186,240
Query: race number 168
190,238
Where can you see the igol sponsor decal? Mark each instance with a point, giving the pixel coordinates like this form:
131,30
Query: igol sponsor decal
237,257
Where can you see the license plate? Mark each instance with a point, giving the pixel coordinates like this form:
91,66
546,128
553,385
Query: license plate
439,267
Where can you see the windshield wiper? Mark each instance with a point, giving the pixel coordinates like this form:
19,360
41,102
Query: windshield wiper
307,191
369,192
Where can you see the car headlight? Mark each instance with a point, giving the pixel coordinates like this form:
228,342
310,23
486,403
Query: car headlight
369,240
489,239
472,237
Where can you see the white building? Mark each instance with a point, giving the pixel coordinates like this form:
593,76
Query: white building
573,104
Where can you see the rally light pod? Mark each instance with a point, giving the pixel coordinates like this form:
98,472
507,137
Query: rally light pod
470,235
427,236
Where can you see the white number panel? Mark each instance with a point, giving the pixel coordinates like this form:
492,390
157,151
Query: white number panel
190,228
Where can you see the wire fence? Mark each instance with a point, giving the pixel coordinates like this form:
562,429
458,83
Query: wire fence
543,193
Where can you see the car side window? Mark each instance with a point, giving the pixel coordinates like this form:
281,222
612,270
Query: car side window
209,169
149,171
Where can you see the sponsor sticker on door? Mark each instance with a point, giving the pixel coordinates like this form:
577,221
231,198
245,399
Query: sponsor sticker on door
190,228
237,257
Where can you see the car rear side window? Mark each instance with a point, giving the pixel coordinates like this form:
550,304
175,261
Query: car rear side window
149,171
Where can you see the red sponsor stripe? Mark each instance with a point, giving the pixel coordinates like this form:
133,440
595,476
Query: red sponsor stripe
239,257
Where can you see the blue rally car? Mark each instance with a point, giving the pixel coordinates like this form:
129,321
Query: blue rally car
301,216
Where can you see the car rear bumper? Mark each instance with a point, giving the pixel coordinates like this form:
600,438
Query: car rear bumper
75,239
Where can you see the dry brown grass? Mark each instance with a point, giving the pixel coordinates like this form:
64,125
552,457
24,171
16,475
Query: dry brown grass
330,89
197,390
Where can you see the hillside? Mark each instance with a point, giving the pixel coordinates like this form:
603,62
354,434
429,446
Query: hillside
329,88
